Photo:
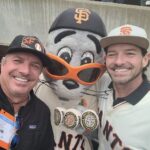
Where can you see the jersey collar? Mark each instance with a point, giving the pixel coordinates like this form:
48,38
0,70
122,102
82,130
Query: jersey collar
136,95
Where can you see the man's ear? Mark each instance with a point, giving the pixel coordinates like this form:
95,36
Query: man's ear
3,60
146,60
149,56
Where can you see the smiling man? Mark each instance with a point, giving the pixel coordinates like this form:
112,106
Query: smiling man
123,114
24,119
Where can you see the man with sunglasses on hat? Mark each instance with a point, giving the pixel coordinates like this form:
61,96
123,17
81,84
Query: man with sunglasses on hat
24,118
124,112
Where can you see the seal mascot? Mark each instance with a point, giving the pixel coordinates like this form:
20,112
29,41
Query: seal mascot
68,85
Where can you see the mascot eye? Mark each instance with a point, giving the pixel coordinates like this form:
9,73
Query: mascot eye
65,53
86,58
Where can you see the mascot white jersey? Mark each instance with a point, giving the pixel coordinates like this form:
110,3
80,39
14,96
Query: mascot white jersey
67,86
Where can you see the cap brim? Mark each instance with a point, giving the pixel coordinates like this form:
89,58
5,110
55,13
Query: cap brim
138,41
43,57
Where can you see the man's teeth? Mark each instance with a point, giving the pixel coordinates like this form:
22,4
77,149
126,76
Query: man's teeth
21,79
121,70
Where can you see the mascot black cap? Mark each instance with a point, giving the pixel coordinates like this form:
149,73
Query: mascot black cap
80,19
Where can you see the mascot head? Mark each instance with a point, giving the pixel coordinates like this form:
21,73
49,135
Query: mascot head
73,44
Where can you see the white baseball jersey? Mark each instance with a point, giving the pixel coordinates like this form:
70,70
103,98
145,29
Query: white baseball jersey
126,125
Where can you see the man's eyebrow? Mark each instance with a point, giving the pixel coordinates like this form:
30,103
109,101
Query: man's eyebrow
16,56
131,49
96,42
63,34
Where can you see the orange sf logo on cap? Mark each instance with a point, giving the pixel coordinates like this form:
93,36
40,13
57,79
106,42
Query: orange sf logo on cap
32,42
126,30
28,40
82,14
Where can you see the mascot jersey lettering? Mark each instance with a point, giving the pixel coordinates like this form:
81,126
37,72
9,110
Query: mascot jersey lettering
124,126
65,139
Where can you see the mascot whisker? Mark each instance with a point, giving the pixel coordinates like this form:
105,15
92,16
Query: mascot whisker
69,81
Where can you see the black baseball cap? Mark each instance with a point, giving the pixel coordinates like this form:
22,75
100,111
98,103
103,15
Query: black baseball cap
29,44
81,19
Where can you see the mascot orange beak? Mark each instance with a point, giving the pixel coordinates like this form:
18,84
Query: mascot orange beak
86,74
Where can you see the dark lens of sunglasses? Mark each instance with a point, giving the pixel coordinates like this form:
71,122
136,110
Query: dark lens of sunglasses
89,74
56,68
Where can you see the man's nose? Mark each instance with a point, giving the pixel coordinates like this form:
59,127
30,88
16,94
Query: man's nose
25,69
120,59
